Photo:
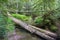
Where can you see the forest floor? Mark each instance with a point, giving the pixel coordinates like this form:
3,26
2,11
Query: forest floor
25,35
22,34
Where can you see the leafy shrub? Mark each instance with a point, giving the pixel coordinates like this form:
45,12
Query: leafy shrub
21,17
10,25
53,28
2,31
2,25
38,20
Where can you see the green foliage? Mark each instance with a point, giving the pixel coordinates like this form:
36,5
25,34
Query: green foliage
38,7
2,25
6,25
53,28
38,20
47,20
2,31
3,1
21,17
10,25
41,21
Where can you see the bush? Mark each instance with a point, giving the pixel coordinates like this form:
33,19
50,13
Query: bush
53,28
10,25
38,20
21,17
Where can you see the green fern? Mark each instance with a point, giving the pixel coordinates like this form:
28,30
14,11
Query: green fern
21,17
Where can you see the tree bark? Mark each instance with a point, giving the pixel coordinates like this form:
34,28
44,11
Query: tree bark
45,31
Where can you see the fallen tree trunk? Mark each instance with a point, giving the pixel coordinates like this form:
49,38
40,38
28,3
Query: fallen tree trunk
31,28
44,31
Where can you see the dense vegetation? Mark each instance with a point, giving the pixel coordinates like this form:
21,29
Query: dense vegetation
43,14
38,22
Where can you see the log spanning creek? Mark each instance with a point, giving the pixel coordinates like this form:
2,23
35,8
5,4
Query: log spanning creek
30,32
22,34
